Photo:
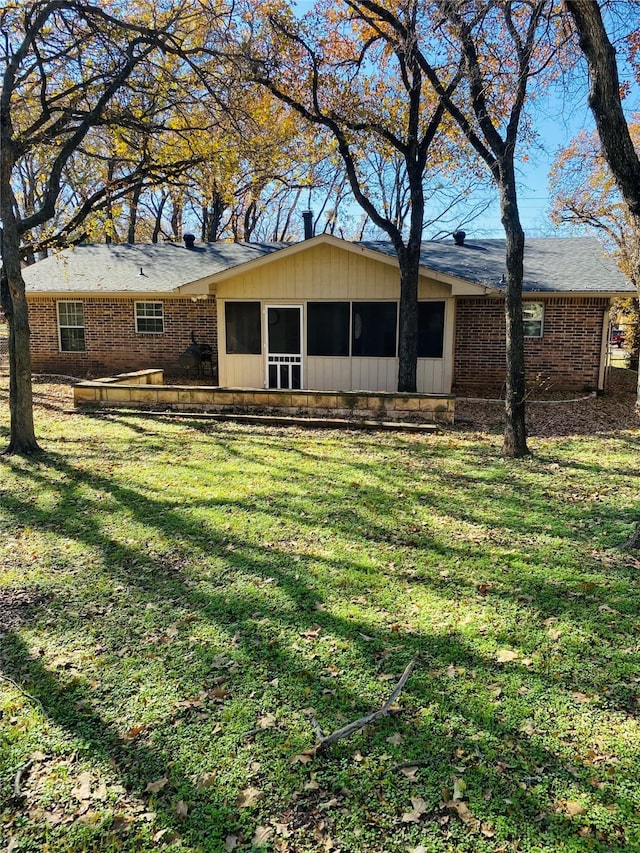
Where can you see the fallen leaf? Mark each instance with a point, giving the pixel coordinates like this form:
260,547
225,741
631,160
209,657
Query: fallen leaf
158,785
267,722
506,655
247,798
395,739
459,787
554,634
182,809
303,757
262,835
419,808
410,773
464,813
82,791
231,842
573,809
133,733
205,780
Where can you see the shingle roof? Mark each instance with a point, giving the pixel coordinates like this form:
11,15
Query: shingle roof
552,265
115,268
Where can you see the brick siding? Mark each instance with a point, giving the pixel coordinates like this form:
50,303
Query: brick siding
567,357
112,343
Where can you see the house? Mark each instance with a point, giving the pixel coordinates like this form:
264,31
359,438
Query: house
322,314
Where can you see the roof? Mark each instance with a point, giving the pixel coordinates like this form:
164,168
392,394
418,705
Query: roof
139,268
551,265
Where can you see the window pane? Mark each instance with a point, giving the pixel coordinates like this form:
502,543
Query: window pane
284,330
70,314
242,324
328,328
149,324
71,326
149,317
430,329
374,329
532,316
72,340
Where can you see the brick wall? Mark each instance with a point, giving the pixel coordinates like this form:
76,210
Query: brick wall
112,343
567,357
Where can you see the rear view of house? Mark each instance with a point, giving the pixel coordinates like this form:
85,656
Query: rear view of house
322,314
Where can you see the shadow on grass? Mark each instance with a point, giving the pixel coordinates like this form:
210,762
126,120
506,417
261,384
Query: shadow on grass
262,599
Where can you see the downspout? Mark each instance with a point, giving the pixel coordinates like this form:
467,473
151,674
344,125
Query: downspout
604,350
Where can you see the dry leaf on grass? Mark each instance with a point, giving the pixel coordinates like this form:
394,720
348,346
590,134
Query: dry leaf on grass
419,808
248,798
262,835
158,785
506,655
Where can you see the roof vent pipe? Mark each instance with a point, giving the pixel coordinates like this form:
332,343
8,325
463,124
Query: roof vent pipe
189,240
307,217
458,237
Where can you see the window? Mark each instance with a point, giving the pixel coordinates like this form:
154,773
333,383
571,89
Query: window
430,329
328,328
149,317
532,315
71,327
374,329
242,326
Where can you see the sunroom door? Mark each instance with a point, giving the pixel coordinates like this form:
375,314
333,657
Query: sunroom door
284,346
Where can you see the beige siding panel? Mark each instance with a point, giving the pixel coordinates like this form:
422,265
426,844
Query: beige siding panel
242,371
328,374
431,376
323,272
430,289
374,374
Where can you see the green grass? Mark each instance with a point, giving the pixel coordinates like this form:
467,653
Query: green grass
178,600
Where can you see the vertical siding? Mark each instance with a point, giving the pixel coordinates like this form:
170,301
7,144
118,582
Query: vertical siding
333,274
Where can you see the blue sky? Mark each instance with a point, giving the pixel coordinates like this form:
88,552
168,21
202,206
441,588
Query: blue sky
557,119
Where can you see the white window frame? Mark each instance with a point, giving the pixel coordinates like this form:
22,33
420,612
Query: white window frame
530,303
62,325
145,316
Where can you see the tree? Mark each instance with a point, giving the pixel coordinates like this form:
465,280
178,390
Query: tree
353,70
69,68
605,102
505,46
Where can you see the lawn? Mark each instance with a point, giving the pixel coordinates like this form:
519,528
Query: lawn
183,603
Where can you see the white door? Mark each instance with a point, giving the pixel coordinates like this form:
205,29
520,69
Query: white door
284,346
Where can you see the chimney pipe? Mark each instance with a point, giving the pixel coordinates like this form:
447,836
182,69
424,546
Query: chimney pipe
307,216
458,237
189,240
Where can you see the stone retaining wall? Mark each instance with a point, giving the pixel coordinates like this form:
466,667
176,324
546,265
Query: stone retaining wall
144,389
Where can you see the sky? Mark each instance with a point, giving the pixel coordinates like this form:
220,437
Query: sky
557,120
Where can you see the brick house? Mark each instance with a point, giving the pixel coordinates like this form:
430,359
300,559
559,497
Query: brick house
322,314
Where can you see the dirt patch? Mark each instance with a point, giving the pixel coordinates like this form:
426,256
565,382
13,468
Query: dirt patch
563,414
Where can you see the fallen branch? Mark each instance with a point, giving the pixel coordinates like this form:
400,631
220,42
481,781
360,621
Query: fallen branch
325,741
21,774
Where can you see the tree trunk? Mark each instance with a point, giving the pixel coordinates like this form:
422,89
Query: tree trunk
22,438
409,260
515,433
133,213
